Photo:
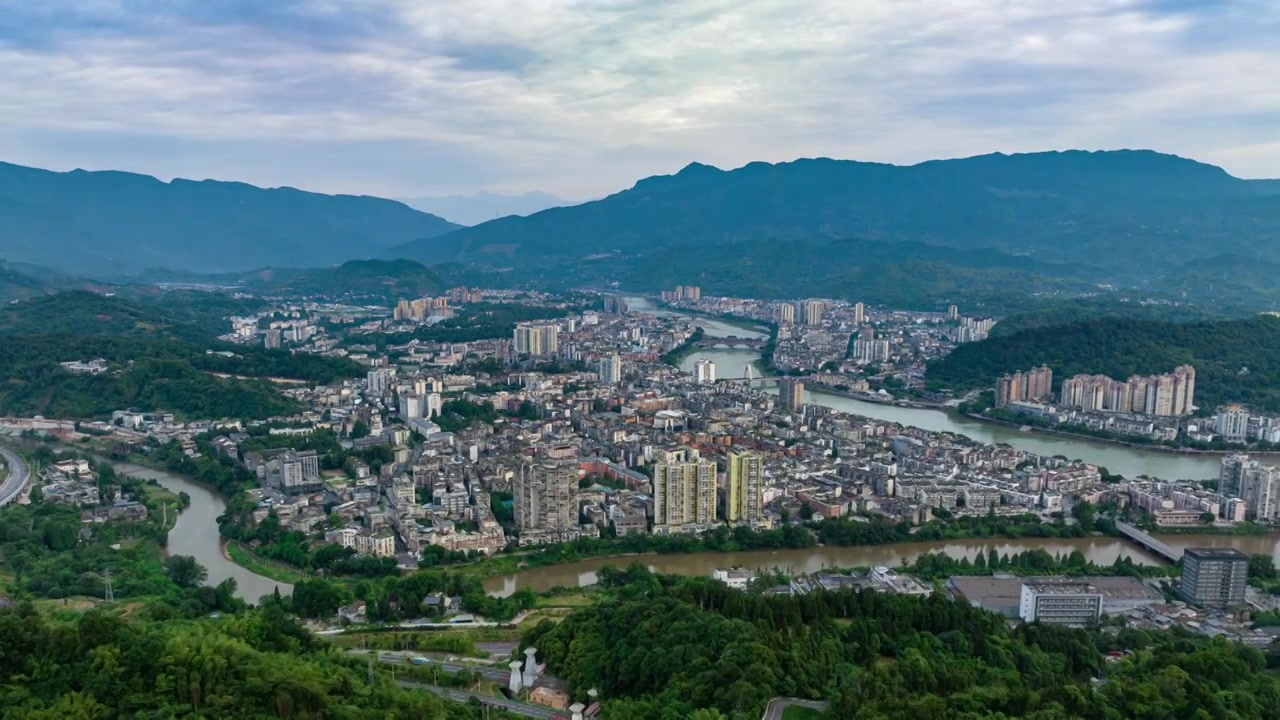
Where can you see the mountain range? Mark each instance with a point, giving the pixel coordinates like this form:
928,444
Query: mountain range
485,206
1096,208
104,223
994,227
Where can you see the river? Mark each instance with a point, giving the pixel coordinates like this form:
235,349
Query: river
1100,550
1124,460
196,534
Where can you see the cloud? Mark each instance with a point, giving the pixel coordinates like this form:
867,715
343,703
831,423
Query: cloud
583,97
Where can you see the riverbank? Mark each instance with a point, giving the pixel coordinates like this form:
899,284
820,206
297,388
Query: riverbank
1097,549
1156,447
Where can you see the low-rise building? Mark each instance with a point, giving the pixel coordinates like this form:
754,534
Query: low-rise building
1060,602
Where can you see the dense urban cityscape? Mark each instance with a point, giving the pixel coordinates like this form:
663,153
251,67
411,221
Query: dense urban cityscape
685,360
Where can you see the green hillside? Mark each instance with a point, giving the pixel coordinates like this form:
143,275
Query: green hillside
82,312
381,279
1235,360
158,357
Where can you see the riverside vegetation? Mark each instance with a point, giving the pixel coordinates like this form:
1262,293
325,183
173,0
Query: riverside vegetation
880,656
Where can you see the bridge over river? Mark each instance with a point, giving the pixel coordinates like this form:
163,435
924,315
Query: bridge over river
732,341
1143,539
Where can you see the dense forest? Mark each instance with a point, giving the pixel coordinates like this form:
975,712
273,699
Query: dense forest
258,664
1235,360
668,647
1049,314
476,321
383,279
152,374
82,312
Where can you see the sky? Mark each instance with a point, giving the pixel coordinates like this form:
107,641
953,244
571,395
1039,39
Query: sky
580,98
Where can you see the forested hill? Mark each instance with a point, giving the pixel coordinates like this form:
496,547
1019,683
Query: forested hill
384,279
880,656
158,358
1235,360
110,222
259,664
82,312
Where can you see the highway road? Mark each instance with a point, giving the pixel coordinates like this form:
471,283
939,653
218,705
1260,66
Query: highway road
777,706
16,478
511,706
400,657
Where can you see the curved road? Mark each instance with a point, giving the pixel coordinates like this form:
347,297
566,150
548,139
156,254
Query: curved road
16,478
777,706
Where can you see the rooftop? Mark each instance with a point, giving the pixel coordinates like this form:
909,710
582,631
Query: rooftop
1055,587
1204,553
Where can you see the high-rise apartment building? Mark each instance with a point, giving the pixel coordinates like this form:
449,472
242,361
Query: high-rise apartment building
811,311
615,305
378,381
1249,481
684,490
791,394
1169,395
784,313
859,313
611,369
545,496
1232,423
537,339
1214,576
704,371
1035,384
953,313
421,309
744,496
870,351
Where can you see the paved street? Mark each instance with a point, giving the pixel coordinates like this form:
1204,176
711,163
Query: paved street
16,478
399,657
777,706
519,708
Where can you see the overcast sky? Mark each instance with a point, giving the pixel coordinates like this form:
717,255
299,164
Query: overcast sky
582,97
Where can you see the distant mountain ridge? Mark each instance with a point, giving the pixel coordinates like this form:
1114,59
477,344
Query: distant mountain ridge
1073,206
485,206
106,222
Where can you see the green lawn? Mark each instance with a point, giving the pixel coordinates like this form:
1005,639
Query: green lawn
247,560
795,712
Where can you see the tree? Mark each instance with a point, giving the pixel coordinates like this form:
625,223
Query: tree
1262,567
184,571
36,496
359,429
317,598
1208,518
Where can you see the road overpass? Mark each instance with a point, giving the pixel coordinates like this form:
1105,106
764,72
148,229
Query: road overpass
1144,540
16,479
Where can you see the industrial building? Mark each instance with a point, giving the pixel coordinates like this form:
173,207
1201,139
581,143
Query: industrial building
1060,602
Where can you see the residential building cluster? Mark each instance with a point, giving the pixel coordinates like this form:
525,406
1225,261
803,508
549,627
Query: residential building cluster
1033,385
1168,395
